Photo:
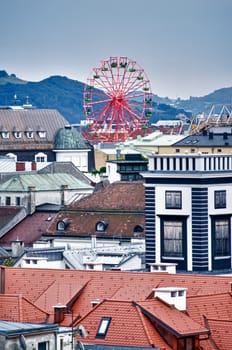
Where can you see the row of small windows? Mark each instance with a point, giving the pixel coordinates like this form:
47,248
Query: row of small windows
101,226
173,199
210,163
8,201
39,157
18,134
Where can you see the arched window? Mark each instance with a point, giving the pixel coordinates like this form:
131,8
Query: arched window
63,224
101,226
138,229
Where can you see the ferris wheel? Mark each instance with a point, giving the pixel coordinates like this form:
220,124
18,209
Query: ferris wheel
117,100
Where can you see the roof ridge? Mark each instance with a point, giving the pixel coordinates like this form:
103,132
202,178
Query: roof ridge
141,316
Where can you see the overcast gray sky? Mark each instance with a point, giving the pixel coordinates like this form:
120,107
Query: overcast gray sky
184,46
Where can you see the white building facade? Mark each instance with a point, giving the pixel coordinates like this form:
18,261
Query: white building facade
188,211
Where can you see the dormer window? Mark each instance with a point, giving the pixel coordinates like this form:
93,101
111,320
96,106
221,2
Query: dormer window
103,327
5,134
138,229
63,224
41,132
40,157
29,134
101,226
17,134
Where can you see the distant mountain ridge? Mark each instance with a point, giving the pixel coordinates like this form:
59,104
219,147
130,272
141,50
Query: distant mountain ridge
66,95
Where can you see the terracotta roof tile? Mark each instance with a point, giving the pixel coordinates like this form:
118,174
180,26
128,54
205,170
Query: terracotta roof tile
222,333
120,204
118,195
45,287
178,321
17,308
84,224
126,321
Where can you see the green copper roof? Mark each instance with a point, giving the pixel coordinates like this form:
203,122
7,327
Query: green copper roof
69,138
42,182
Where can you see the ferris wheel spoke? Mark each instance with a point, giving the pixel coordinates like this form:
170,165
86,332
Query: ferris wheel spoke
117,100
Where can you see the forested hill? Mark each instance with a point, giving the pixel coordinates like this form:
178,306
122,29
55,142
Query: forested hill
66,95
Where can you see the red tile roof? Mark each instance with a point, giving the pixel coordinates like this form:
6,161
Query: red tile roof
180,323
120,204
118,195
126,321
78,289
17,308
30,229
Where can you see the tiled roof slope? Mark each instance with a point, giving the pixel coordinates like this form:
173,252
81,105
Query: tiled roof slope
120,204
179,322
34,120
42,182
208,297
17,308
222,333
84,224
29,229
7,214
128,326
118,195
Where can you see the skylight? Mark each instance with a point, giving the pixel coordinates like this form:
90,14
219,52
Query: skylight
103,327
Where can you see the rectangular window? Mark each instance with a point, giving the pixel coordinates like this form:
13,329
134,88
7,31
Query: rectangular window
222,237
18,201
219,199
8,201
173,238
43,345
103,327
173,199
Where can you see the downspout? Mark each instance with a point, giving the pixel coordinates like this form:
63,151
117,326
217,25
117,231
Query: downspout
3,277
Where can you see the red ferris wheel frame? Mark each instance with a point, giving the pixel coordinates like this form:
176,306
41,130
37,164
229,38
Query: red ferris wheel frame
117,100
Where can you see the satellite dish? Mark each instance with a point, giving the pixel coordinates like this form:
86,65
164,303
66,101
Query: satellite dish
82,331
79,346
22,341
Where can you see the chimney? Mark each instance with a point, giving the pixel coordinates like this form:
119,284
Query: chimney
63,188
31,200
59,311
93,241
163,267
2,281
175,296
17,248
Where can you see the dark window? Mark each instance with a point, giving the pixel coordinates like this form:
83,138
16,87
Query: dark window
177,150
43,345
103,327
173,199
101,226
173,238
63,224
18,201
185,344
220,199
138,229
8,200
222,240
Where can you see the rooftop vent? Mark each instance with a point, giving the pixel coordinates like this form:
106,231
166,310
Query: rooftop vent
173,296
